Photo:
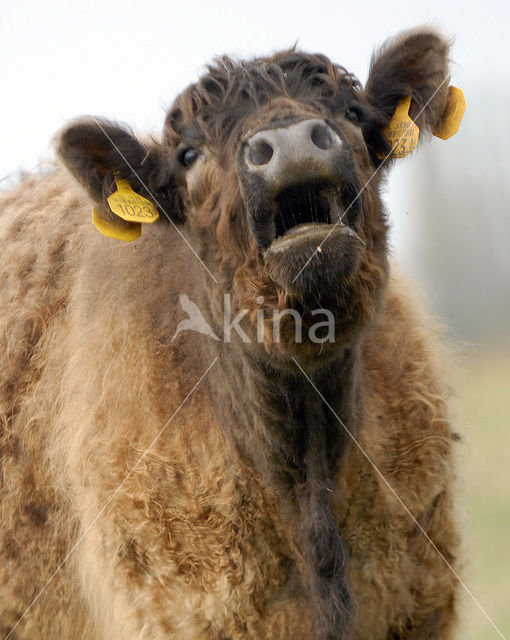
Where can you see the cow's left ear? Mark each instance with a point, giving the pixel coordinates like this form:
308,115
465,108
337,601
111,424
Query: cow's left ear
413,64
99,152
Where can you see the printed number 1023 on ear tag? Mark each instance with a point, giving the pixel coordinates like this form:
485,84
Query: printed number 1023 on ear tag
401,132
131,206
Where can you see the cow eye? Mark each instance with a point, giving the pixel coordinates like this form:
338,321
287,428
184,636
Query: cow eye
187,157
352,115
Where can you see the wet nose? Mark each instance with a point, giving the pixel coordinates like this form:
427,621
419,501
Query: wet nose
305,150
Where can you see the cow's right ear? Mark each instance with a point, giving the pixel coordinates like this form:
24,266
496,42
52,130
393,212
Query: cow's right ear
98,152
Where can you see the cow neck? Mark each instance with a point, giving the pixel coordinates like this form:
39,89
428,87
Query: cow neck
279,423
278,420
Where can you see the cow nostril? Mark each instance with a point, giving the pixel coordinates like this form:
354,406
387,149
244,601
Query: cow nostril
260,152
321,137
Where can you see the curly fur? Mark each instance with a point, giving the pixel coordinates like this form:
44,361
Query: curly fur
244,510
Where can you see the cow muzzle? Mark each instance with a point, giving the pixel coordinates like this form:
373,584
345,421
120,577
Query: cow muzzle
307,150
300,191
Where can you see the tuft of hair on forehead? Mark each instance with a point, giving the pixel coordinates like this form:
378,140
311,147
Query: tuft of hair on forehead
290,72
233,87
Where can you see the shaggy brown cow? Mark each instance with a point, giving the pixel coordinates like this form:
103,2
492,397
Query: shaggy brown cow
231,483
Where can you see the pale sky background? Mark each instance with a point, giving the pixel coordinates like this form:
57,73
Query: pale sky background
128,60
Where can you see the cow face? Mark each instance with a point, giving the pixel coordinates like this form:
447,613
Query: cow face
274,166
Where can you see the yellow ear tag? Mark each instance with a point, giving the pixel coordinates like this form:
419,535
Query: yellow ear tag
401,132
107,228
131,206
452,116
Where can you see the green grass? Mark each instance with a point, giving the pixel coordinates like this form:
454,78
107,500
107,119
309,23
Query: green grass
485,465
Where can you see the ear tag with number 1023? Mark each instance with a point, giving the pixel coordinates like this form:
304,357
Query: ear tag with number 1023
401,131
131,206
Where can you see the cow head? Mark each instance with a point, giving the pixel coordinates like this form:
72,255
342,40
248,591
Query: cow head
273,168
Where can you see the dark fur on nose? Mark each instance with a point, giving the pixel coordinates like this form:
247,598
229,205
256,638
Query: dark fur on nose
305,150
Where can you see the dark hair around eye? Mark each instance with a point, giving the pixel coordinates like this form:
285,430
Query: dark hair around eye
188,156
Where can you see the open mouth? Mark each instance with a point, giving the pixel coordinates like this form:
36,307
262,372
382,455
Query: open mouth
311,233
306,204
305,212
